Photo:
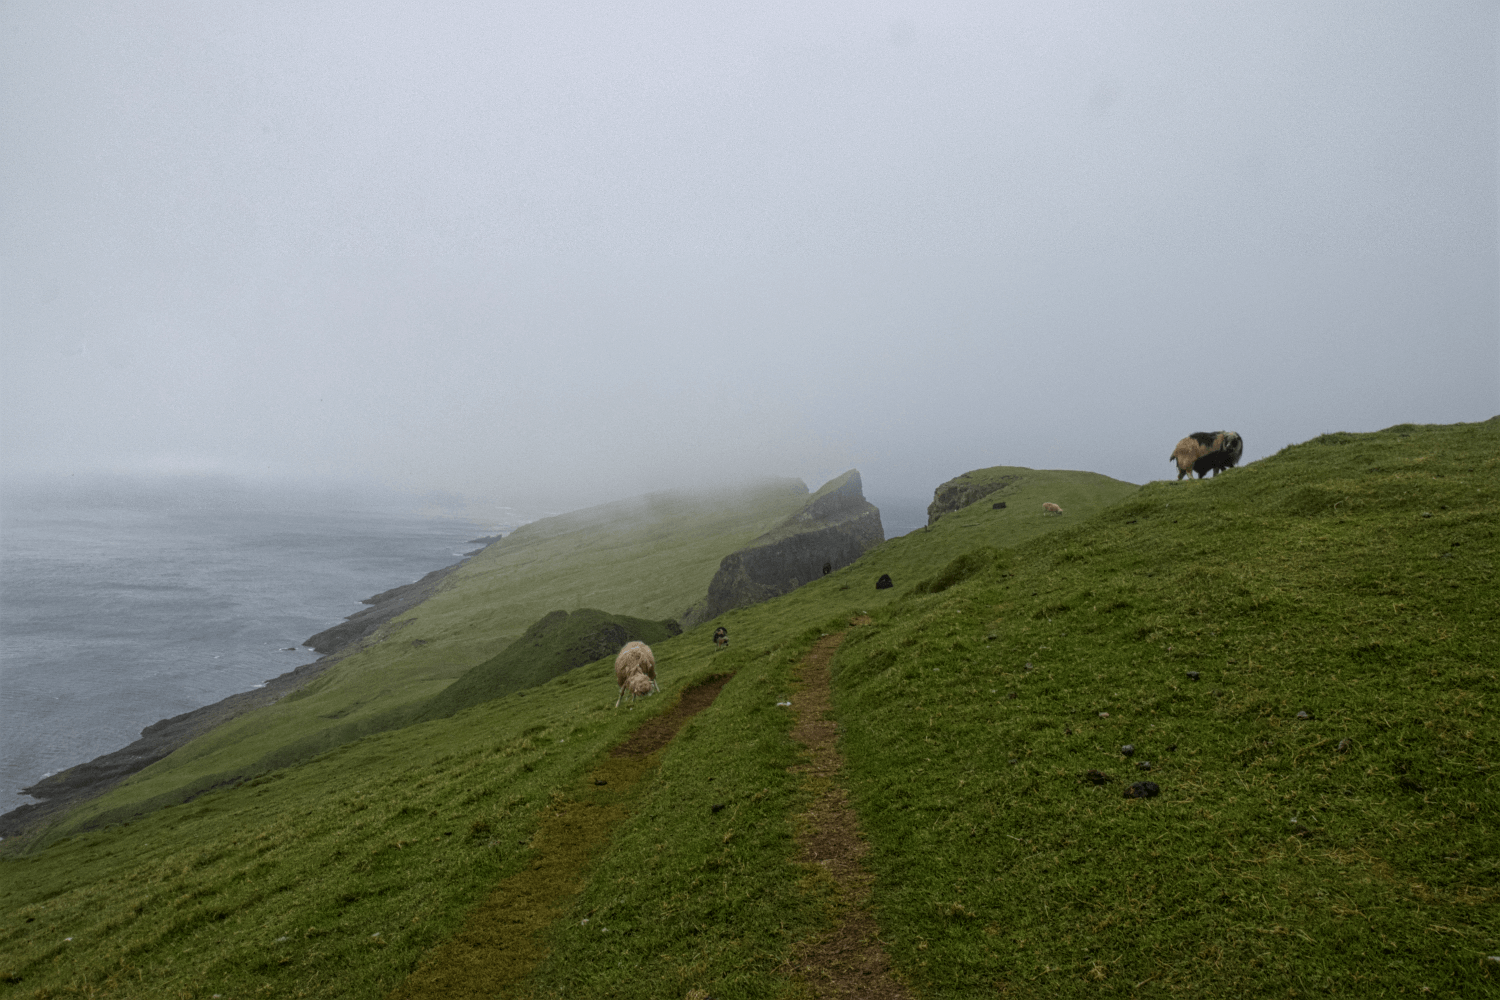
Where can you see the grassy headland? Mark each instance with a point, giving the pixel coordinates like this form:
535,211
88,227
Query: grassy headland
1351,851
650,557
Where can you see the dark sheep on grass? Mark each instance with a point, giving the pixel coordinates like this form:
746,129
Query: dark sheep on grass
1206,452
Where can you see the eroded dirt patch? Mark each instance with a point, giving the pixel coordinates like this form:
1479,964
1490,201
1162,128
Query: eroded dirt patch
658,732
848,960
503,939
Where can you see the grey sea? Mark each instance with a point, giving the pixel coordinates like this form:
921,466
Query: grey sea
128,602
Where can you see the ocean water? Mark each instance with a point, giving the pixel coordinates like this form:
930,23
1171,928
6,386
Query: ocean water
124,604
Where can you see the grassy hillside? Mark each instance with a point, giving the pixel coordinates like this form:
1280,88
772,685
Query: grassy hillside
1351,852
650,557
559,642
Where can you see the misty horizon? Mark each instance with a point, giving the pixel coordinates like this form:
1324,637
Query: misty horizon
545,259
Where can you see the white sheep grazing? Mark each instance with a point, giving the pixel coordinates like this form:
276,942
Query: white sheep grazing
635,659
1051,508
639,685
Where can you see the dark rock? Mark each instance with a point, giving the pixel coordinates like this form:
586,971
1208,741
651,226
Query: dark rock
884,583
956,494
1144,765
1097,778
716,808
1172,747
998,506
603,781
1192,675
827,568
836,527
1303,716
1127,749
1028,666
1143,790
486,540
1344,746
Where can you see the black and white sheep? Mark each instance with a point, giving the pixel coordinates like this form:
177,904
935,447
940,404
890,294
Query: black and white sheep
1206,452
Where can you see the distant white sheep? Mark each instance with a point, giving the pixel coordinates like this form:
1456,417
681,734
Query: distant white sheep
635,659
1051,508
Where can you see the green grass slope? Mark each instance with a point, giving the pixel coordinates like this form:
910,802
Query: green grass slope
1351,578
559,642
333,878
326,880
650,557
1272,862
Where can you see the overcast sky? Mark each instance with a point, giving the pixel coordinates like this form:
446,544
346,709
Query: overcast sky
561,253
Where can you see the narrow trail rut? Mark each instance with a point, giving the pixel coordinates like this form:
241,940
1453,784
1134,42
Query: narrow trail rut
848,960
503,939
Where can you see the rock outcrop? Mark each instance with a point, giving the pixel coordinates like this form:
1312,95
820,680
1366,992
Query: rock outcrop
836,527
959,492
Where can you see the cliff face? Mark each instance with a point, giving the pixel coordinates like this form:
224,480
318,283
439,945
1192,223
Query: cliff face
959,492
836,527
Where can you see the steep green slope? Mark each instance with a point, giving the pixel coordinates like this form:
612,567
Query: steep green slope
650,557
281,885
559,642
329,879
1271,862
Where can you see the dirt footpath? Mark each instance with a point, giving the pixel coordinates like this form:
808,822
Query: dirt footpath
848,960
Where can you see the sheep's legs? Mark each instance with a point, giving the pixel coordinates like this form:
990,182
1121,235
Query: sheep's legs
622,696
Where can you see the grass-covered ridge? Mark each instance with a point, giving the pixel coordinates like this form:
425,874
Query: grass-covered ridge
649,557
1271,862
1351,578
557,643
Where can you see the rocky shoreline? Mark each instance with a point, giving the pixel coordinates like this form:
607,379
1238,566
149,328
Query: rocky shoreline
78,784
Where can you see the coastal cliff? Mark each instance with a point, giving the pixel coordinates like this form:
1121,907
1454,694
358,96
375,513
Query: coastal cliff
384,606
836,527
971,487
